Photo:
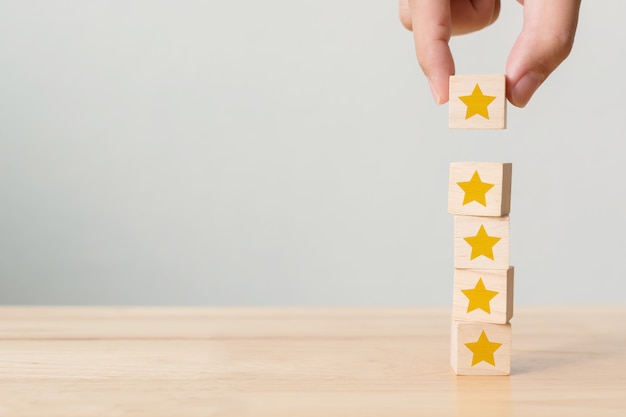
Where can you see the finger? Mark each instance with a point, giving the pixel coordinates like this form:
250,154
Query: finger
472,15
405,14
432,28
433,22
546,40
467,15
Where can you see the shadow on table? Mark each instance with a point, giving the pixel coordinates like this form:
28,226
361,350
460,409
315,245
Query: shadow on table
525,362
574,346
579,351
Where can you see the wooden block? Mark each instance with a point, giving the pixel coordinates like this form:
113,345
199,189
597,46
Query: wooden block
480,188
480,348
483,295
481,242
477,102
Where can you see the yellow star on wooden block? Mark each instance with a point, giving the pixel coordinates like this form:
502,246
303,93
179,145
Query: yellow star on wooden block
475,190
482,244
483,350
479,297
477,103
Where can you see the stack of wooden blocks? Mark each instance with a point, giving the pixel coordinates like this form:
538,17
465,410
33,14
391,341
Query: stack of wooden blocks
479,197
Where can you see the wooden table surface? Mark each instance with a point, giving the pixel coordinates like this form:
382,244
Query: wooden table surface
301,362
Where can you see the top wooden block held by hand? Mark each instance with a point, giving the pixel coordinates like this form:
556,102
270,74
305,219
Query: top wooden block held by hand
478,102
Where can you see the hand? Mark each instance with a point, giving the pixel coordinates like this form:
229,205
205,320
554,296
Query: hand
546,39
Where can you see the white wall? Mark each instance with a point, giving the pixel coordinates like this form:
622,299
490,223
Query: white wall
287,153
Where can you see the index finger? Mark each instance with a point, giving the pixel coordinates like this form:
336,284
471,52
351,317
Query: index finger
432,28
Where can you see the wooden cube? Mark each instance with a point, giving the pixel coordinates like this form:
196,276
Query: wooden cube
480,348
480,188
477,102
483,295
481,242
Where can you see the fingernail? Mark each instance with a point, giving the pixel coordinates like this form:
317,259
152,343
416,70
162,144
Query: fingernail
433,90
524,89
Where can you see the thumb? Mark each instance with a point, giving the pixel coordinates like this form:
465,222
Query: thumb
546,40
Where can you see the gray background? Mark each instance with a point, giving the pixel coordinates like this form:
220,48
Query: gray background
287,153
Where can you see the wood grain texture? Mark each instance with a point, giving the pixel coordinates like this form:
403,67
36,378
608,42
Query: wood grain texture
162,362
500,307
474,228
497,199
491,85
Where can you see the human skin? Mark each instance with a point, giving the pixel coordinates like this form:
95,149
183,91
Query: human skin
545,41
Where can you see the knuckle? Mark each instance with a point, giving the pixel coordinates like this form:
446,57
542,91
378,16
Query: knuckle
404,12
406,21
560,44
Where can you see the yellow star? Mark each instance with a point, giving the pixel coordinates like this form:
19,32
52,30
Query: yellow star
479,297
483,350
482,244
475,190
477,103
